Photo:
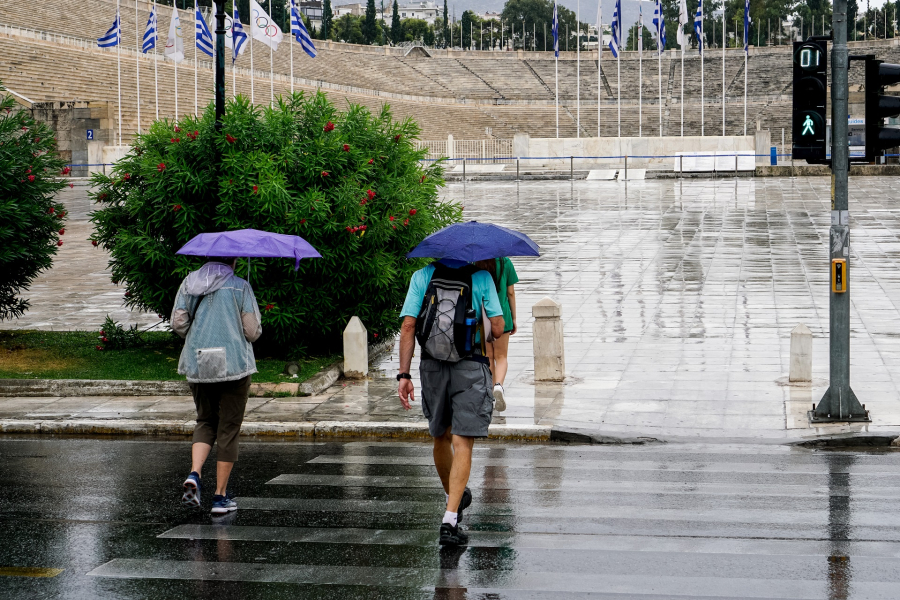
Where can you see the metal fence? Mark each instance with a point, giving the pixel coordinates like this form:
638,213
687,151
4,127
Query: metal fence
498,151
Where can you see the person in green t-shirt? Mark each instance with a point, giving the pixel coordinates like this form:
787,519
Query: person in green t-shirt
505,278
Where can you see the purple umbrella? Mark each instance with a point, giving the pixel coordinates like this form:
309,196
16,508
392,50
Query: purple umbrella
250,243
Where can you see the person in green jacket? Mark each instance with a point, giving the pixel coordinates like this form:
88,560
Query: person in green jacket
505,278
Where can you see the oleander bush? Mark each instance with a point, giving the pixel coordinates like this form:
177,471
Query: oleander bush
31,220
350,183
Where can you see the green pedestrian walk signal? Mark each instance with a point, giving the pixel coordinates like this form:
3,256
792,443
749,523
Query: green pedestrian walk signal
810,100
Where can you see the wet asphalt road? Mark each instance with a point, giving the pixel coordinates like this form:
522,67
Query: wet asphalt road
359,520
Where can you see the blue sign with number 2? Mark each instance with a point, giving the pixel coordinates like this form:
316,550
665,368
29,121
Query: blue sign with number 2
90,134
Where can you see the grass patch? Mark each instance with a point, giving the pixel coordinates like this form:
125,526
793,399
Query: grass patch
72,355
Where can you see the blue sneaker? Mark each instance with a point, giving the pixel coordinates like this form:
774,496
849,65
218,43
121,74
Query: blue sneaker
223,504
191,488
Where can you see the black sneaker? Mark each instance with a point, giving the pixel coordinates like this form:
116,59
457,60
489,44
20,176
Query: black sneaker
453,536
464,503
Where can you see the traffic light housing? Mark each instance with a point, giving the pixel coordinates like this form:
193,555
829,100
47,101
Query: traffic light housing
878,107
810,100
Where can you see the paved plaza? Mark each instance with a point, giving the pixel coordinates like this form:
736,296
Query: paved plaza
359,520
678,299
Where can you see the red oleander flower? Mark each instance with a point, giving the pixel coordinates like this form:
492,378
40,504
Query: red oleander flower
24,128
62,231
102,332
176,208
177,129
104,340
28,170
302,221
362,202
161,167
391,217
59,243
94,243
31,178
412,211
52,210
127,294
422,180
36,140
346,148
72,185
325,173
127,176
65,171
405,222
196,133
375,334
370,194
230,139
269,307
371,161
329,126
177,139
255,189
172,140
99,347
397,138
62,214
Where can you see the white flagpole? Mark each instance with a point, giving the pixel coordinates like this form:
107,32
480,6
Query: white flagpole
599,56
137,61
176,70
250,41
639,38
619,86
577,69
271,67
195,57
660,50
119,68
682,90
745,91
156,59
292,48
724,43
556,63
702,86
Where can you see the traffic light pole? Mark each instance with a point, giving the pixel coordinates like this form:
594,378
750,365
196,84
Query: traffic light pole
839,404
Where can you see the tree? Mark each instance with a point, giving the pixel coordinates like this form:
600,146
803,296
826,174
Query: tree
428,36
446,27
369,28
348,29
414,30
327,20
351,184
31,220
537,13
466,26
396,26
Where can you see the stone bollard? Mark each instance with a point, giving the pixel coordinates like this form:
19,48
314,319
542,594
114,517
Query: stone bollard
356,350
801,354
547,338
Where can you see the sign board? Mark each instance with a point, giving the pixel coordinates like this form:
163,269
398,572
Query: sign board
90,135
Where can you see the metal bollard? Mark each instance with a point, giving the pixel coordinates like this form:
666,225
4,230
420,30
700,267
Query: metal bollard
735,164
626,167
464,169
517,168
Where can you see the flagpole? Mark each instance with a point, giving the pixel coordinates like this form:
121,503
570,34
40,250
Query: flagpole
619,89
659,28
250,41
639,39
156,59
137,61
271,65
195,58
292,46
119,68
682,91
724,33
702,85
599,56
746,52
577,69
556,63
176,65
745,91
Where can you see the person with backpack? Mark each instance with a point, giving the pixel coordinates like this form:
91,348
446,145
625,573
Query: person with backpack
442,312
504,275
217,315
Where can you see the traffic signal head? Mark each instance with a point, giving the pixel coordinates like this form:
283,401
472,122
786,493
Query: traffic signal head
810,100
878,107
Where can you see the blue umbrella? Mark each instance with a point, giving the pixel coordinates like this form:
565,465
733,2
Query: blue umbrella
474,241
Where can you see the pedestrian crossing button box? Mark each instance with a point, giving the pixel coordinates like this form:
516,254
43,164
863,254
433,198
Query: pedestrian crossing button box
839,275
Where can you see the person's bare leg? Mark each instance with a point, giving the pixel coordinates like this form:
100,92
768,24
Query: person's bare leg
459,473
223,472
489,350
199,454
443,458
501,363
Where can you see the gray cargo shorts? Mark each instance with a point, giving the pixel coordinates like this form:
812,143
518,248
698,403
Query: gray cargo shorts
457,395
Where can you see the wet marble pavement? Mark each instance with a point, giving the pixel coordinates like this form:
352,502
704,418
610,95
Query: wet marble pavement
678,299
101,519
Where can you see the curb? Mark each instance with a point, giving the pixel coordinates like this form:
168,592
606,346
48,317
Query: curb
279,429
851,441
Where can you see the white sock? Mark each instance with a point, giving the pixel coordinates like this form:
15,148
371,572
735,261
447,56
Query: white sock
447,499
450,517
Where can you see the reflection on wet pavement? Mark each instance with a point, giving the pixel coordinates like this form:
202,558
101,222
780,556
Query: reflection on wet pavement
359,520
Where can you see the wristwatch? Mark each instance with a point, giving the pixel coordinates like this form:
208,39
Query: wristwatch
403,376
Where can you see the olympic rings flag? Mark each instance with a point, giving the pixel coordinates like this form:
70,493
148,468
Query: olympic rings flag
263,28
175,42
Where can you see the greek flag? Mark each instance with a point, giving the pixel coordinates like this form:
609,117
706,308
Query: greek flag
150,32
204,39
660,23
747,26
238,37
298,30
616,29
698,25
113,36
555,29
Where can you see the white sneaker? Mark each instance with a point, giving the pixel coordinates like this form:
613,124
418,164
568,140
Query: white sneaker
499,400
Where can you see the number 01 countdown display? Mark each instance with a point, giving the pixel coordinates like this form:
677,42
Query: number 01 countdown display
810,100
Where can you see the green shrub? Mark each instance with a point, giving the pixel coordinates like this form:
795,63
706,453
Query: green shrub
349,183
31,222
115,337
